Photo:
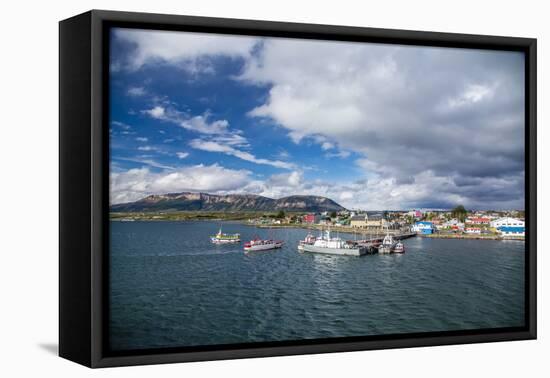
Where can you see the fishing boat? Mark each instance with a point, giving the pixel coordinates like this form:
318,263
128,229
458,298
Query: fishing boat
388,244
334,246
221,238
309,240
399,247
262,245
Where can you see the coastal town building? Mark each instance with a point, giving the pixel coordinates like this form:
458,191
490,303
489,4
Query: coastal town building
478,220
370,222
311,218
424,228
507,222
511,231
415,214
472,230
358,221
376,221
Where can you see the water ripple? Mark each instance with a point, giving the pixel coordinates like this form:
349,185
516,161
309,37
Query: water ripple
171,287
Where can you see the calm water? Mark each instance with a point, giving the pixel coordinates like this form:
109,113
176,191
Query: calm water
171,287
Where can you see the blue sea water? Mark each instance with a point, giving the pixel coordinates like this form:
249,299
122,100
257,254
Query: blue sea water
170,287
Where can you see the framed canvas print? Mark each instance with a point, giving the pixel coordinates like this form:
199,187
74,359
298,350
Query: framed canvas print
234,188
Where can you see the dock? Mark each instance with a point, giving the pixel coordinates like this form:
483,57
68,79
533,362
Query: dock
378,239
371,243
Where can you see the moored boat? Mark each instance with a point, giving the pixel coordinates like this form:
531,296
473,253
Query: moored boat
221,238
309,240
262,245
399,247
388,244
334,246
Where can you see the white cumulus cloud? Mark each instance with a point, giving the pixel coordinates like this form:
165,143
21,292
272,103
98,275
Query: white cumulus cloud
134,184
216,146
185,50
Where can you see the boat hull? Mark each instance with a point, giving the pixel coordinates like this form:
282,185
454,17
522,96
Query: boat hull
384,250
266,247
226,241
334,251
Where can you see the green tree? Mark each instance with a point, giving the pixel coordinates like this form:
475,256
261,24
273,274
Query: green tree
333,214
280,214
459,213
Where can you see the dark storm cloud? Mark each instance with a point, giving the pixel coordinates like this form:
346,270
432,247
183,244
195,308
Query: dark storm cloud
428,126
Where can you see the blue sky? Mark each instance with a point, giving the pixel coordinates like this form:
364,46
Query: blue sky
359,123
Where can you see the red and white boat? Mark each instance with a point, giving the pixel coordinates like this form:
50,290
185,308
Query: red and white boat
310,239
399,248
262,245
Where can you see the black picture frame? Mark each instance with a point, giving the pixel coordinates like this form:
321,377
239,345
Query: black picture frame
84,186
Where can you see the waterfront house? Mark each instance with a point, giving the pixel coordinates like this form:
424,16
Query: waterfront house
511,231
375,221
424,228
507,222
311,218
417,214
358,221
472,230
478,220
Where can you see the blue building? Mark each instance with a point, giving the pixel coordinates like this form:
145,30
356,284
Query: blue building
512,231
424,228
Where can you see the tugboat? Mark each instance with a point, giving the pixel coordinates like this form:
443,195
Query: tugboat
309,240
334,246
262,245
221,238
388,244
399,247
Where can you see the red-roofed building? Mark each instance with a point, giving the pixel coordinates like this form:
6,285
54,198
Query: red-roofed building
311,218
478,220
473,230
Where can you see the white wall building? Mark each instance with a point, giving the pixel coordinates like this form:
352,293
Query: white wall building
473,230
507,222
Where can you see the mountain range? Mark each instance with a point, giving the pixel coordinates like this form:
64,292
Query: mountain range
187,201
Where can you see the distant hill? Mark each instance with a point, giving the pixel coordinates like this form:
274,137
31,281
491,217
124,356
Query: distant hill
231,202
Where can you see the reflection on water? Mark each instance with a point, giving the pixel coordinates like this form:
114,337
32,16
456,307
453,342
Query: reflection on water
171,287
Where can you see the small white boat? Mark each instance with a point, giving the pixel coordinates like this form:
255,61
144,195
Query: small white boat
221,238
399,247
262,245
388,244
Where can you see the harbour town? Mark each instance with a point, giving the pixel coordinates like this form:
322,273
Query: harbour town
379,232
457,223
276,189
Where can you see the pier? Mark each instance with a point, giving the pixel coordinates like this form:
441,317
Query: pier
378,239
373,242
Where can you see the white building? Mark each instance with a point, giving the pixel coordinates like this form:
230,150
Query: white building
473,230
507,222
